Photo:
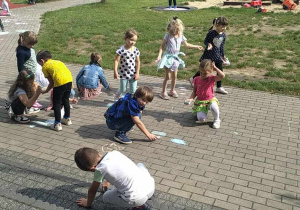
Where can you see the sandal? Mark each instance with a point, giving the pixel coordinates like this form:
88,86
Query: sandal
173,94
165,97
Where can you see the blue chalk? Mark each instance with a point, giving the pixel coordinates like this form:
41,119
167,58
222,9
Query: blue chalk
178,141
158,133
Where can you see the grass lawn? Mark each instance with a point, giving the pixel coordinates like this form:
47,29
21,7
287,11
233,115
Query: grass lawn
263,48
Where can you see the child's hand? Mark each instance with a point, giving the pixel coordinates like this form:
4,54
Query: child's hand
158,59
188,101
152,137
116,75
214,66
209,46
82,202
200,48
105,185
136,76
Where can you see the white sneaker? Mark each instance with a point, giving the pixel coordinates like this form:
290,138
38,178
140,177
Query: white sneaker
191,81
217,124
56,127
32,110
221,90
22,119
66,121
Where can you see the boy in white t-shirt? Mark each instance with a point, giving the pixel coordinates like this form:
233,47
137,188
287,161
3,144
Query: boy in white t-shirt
134,185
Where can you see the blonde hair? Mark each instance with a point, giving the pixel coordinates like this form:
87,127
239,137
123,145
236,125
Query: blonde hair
175,27
131,33
28,37
206,64
96,58
25,81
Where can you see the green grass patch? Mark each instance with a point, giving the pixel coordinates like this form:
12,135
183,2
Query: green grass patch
256,41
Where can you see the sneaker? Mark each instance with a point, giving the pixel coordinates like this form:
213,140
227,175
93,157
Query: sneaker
221,90
175,7
37,105
191,81
146,206
56,127
66,121
32,110
217,124
122,138
10,112
22,119
170,7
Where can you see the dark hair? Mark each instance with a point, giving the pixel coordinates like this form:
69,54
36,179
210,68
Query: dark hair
86,158
24,79
144,92
96,58
219,21
28,37
130,33
43,54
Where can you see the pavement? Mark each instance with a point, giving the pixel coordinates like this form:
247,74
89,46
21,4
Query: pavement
251,162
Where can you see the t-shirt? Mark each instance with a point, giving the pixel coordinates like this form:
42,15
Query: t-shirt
123,173
60,74
127,68
173,44
204,87
17,93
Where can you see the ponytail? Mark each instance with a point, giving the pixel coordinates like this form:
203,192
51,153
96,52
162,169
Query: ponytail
219,21
96,58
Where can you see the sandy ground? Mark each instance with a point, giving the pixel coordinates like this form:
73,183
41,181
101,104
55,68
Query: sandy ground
219,3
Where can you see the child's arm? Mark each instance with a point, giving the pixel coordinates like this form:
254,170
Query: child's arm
188,45
220,74
138,66
192,97
162,46
29,102
142,127
50,86
91,195
102,78
116,63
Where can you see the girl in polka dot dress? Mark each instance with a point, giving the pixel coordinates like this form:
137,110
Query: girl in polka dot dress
128,56
170,60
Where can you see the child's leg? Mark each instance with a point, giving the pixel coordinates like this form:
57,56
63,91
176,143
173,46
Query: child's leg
65,100
174,1
201,116
1,25
215,110
132,85
165,82
170,3
18,107
123,87
219,65
173,81
58,93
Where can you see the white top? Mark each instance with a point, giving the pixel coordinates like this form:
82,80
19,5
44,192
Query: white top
131,182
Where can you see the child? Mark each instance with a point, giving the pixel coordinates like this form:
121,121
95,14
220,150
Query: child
87,79
215,41
60,79
134,185
204,90
170,60
26,59
170,4
22,94
126,112
5,9
129,57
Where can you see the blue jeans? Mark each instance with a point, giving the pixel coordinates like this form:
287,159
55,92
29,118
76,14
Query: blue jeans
120,124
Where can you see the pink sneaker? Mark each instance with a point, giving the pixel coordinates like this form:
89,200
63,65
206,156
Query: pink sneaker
37,105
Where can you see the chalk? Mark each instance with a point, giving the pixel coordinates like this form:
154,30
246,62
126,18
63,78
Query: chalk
109,104
20,31
178,141
50,121
31,126
158,133
3,33
111,147
182,93
42,123
187,102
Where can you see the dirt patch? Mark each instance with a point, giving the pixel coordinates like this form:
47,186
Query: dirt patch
219,3
80,45
247,72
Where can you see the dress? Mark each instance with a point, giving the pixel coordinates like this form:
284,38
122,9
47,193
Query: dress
205,94
170,58
134,185
127,68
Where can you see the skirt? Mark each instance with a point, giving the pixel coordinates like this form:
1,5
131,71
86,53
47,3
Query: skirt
88,94
203,106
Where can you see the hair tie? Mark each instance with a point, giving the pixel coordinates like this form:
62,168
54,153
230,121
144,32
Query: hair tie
29,75
175,18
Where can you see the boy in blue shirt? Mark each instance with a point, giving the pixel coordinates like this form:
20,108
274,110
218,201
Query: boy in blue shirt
126,112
